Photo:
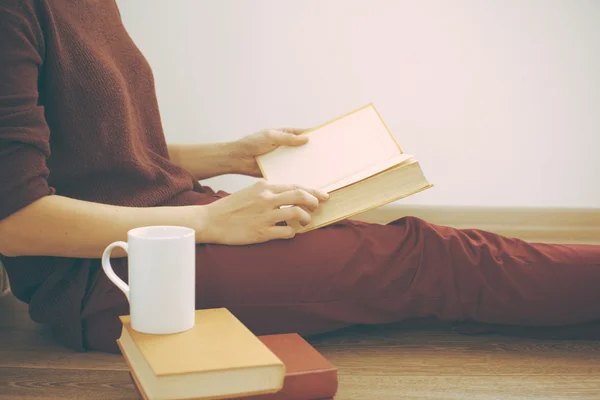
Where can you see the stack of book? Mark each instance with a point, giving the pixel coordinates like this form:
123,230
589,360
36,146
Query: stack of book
221,359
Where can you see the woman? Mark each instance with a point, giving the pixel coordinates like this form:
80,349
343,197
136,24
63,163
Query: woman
83,159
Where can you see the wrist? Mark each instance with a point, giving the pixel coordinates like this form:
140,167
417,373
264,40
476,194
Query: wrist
242,162
197,218
229,156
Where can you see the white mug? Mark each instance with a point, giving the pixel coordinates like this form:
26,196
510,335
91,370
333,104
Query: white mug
162,285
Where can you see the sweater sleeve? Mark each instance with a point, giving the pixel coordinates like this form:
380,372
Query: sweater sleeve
24,134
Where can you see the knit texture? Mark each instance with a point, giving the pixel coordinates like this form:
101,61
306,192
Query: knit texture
79,118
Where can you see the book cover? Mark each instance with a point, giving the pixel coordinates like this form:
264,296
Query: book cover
309,375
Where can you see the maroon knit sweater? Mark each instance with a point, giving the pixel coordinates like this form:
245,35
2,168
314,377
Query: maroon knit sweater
79,118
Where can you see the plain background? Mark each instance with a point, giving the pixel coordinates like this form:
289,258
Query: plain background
499,100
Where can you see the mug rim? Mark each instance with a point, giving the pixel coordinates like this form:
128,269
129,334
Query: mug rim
180,232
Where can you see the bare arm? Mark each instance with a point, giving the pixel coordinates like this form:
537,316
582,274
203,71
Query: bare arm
207,160
237,157
61,226
64,227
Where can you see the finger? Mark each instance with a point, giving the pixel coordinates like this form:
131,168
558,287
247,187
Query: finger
291,214
282,138
297,197
282,188
295,131
294,192
280,232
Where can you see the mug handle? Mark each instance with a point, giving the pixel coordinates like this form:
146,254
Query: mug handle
108,270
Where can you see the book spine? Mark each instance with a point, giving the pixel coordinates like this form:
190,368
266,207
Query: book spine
313,386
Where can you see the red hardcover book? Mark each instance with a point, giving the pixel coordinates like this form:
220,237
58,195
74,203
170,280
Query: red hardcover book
308,375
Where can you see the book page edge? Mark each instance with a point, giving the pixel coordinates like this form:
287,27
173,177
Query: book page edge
429,186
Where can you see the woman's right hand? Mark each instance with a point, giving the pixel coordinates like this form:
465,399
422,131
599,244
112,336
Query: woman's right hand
252,214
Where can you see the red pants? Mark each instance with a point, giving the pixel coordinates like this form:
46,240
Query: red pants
357,273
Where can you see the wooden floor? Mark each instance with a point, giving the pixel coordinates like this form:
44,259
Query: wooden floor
374,363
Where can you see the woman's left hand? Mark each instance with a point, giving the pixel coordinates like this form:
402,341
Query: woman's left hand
247,148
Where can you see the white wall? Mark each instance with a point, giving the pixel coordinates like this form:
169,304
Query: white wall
500,100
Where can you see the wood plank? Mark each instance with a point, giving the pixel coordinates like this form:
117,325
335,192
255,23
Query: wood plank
362,387
34,383
439,362
534,224
62,360
376,351
25,383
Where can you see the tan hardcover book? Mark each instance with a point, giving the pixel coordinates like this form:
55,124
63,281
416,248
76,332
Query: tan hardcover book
218,358
143,396
355,159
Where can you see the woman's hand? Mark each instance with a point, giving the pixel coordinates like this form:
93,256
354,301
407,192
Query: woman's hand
247,148
253,214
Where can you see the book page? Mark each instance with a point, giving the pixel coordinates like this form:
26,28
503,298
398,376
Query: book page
336,152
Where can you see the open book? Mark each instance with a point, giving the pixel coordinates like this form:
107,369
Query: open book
355,159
